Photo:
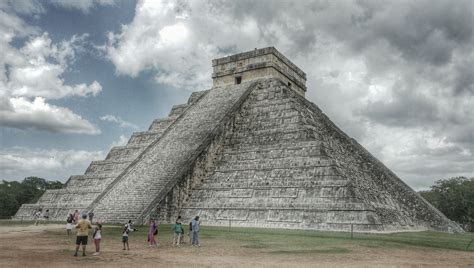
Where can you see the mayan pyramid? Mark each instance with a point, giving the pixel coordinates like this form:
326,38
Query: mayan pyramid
251,151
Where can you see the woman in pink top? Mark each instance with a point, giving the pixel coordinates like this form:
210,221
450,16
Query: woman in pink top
152,232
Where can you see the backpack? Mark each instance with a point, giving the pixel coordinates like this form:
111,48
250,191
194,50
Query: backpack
190,226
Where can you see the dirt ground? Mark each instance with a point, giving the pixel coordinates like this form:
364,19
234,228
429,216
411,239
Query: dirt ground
48,246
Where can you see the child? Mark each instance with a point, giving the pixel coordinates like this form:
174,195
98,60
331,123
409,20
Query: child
125,236
97,237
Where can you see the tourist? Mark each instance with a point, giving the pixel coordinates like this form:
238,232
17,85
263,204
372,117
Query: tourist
69,222
82,227
178,230
37,215
76,216
125,232
97,236
130,226
46,214
34,214
91,216
195,231
152,232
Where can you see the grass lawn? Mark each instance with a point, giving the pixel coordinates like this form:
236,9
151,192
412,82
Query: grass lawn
301,242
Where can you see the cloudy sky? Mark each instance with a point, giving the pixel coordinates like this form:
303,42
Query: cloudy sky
78,77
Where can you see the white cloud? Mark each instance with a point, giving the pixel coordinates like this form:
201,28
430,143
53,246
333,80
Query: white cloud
33,74
38,115
82,5
35,70
116,119
20,162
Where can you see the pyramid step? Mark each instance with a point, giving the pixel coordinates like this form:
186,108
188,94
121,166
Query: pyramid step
274,164
104,166
274,183
144,138
178,110
264,148
125,152
162,124
196,95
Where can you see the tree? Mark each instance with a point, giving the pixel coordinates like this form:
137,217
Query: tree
8,205
13,193
455,198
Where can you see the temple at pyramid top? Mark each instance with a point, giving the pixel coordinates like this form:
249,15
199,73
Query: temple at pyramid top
256,64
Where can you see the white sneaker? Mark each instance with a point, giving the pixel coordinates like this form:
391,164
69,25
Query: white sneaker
96,254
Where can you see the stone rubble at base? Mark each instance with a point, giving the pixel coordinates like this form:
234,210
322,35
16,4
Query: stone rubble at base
249,152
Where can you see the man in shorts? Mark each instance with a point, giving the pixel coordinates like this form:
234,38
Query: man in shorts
82,227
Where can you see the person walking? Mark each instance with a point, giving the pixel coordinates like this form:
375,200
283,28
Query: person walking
195,231
178,230
82,227
152,232
97,236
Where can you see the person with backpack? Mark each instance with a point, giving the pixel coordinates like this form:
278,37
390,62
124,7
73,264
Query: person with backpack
178,229
152,232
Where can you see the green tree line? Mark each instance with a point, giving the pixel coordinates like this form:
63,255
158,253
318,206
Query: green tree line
455,198
13,193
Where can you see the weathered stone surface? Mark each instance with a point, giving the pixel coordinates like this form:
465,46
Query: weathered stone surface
255,154
154,171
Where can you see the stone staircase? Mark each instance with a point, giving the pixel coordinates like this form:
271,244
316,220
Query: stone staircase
137,190
81,190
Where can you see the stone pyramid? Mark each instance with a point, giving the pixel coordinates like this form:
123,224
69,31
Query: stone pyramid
251,151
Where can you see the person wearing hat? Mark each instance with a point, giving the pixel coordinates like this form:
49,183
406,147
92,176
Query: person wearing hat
82,227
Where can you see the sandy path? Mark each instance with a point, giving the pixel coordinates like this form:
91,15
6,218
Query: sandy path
48,246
